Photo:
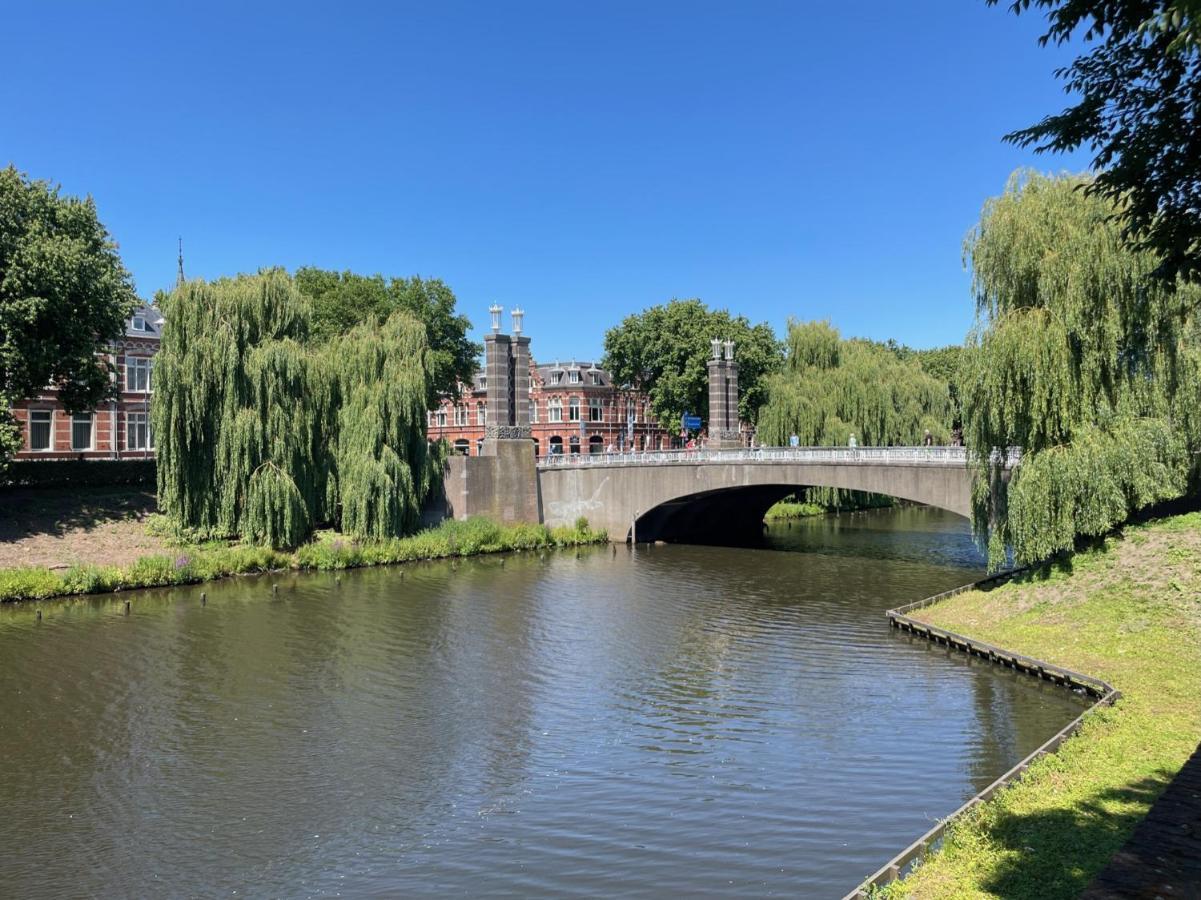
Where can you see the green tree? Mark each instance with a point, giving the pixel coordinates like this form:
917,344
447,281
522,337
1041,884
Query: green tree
1079,360
830,388
1137,93
264,433
64,294
341,300
664,351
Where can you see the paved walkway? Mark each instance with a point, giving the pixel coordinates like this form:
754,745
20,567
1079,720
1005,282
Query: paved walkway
1162,859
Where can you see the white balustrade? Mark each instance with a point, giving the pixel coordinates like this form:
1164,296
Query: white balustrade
925,456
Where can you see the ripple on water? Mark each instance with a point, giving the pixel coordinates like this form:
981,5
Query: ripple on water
686,720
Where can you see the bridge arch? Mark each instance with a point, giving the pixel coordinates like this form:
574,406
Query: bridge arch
735,488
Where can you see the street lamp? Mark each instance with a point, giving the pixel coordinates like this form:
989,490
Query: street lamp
518,314
496,310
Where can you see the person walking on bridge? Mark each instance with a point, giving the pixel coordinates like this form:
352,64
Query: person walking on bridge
928,440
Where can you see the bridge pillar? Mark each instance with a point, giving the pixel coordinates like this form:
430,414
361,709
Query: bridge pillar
502,482
507,368
723,396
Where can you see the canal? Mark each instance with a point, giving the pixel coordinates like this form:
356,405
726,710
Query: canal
666,720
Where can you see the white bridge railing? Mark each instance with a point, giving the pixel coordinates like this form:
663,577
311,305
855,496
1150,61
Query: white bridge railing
926,456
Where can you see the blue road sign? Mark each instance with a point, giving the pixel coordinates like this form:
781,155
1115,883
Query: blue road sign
692,423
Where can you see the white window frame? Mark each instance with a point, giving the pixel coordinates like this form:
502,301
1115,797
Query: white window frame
596,379
460,414
142,419
139,323
596,409
573,377
49,448
77,418
554,410
556,377
135,365
573,409
441,416
481,412
533,412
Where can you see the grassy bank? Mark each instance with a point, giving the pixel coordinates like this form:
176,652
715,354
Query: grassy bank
791,509
1128,612
193,563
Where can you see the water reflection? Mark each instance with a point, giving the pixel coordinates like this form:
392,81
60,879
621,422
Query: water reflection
679,719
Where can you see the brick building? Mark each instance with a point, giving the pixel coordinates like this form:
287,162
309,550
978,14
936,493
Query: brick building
574,408
117,429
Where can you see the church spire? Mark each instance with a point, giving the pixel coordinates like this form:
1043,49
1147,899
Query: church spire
179,276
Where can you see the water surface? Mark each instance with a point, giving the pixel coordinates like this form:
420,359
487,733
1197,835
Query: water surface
677,719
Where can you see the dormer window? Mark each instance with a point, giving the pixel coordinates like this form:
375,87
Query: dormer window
483,382
574,376
139,323
556,377
596,378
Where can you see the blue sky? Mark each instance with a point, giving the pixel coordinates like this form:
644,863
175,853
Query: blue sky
582,160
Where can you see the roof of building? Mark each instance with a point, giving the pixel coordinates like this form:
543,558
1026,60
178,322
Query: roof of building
148,316
543,373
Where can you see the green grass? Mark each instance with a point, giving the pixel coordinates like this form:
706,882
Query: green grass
1128,612
192,563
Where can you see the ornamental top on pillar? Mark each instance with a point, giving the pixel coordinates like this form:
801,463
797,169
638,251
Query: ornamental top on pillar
496,310
518,314
715,346
730,351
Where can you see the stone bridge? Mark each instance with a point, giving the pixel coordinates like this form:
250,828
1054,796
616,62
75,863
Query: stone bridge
683,494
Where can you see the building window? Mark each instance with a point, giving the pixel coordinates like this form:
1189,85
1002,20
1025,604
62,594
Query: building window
139,323
441,418
596,409
556,377
137,432
596,379
631,411
574,376
483,382
481,413
460,414
533,412
137,374
573,409
463,447
81,431
554,410
40,425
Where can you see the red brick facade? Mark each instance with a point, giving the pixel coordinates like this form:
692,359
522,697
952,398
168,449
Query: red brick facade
574,407
117,429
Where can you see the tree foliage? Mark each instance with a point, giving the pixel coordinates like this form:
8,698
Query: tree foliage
64,294
1139,90
831,387
1081,361
264,432
664,351
342,300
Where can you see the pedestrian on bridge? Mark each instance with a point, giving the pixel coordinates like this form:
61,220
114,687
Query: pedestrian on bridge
851,442
793,440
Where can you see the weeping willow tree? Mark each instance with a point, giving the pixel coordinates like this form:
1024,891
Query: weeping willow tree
1079,360
265,434
831,388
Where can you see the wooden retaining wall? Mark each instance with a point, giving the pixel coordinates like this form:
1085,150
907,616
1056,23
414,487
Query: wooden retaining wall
1103,693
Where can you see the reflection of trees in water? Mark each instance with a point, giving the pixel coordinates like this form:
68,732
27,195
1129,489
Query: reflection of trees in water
915,534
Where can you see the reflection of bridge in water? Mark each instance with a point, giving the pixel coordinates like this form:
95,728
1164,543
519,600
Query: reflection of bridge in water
692,493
